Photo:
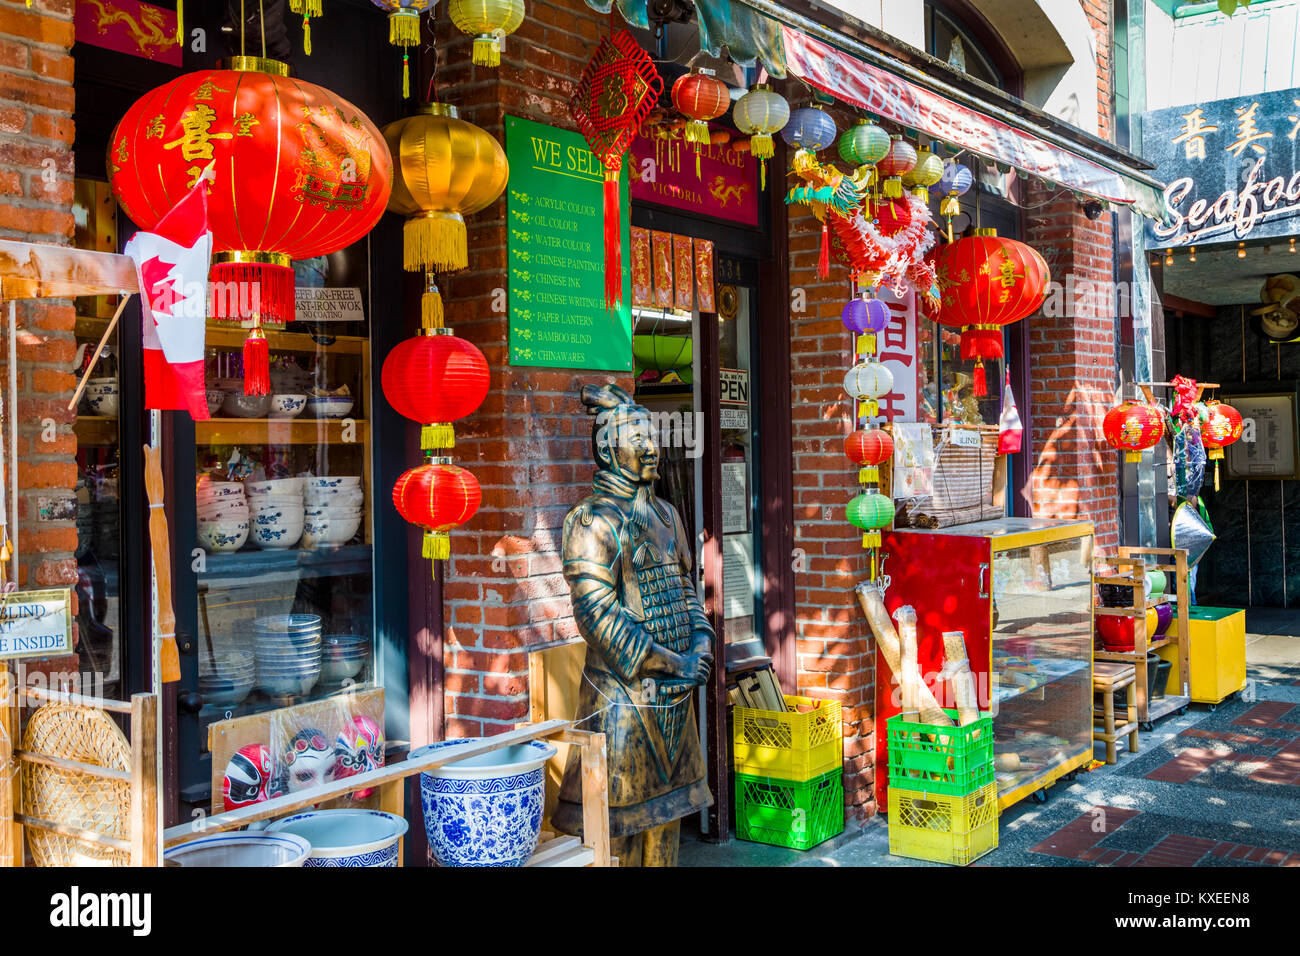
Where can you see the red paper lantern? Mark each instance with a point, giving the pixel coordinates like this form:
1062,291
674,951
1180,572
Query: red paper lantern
869,447
1221,429
1133,427
986,282
700,97
615,93
435,379
437,496
299,172
900,160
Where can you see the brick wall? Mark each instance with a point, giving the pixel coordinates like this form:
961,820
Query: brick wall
529,444
36,192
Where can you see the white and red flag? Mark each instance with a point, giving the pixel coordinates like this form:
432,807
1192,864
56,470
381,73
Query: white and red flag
172,265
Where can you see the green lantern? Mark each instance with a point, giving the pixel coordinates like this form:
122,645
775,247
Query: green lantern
871,511
864,144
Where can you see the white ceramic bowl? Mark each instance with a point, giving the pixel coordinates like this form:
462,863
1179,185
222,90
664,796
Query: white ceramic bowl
340,499
353,838
278,534
275,502
233,510
329,407
222,536
241,849
290,686
328,531
287,406
102,403
219,489
339,482
274,486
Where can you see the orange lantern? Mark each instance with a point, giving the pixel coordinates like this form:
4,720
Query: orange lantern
437,496
300,172
434,379
700,97
1221,429
986,282
1133,427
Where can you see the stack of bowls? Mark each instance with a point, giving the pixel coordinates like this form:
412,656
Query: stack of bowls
343,657
333,512
275,512
226,678
101,396
85,522
223,515
288,652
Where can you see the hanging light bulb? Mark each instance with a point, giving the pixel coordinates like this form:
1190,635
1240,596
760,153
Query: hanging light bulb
1241,250
1192,257
1292,249
1169,258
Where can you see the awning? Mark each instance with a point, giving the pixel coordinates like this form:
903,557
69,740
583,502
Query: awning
883,94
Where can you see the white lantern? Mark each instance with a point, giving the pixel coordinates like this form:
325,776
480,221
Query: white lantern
758,114
868,380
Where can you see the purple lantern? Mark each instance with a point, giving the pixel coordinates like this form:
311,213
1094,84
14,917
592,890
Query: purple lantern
866,315
956,179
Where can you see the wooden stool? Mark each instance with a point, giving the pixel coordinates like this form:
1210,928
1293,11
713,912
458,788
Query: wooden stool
1107,678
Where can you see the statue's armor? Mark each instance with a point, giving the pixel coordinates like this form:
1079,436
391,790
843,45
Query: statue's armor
631,588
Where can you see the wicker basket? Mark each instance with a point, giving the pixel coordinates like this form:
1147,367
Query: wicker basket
87,735
969,480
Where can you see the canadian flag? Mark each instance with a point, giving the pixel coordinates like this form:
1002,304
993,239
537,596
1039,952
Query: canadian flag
172,266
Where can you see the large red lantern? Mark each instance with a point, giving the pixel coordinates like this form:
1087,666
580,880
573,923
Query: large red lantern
299,172
1133,427
434,379
700,96
986,282
437,496
870,448
1221,429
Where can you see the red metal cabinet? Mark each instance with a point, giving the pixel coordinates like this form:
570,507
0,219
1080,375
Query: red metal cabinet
1020,590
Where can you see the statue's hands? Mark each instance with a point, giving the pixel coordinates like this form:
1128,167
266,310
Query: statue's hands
695,667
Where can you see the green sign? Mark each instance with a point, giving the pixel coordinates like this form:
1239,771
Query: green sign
555,251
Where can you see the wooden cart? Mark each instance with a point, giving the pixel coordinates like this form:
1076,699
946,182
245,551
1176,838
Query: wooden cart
1131,569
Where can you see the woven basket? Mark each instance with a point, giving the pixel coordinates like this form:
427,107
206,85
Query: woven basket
965,462
76,799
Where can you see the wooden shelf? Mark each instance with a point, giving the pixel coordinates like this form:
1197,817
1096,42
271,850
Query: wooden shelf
279,431
232,337
322,562
1132,655
96,430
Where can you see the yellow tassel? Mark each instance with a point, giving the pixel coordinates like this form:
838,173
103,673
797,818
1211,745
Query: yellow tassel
306,35
435,240
437,545
404,28
406,76
868,475
487,51
871,539
1216,476
1132,457
180,23
762,174
921,193
761,146
308,8
950,205
697,131
697,164
431,313
893,188
438,435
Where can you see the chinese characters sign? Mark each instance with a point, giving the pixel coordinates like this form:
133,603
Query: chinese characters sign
555,256
662,171
1233,168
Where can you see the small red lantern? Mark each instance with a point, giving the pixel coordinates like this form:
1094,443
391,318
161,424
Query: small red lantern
437,496
869,447
986,282
434,379
1221,429
700,97
299,172
1133,427
900,160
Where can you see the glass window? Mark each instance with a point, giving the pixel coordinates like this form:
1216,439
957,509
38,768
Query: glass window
941,32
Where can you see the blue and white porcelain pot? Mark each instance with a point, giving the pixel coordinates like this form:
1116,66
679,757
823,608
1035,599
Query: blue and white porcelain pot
346,837
485,810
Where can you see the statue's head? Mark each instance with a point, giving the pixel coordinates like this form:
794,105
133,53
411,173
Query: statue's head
623,433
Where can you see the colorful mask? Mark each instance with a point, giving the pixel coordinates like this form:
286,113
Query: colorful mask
250,777
307,759
358,748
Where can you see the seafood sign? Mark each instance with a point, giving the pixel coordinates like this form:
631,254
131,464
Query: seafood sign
35,623
127,26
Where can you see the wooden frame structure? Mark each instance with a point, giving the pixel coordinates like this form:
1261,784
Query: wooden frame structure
1132,574
142,846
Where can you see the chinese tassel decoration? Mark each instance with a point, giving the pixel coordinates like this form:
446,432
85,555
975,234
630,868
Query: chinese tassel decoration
404,31
615,94
304,8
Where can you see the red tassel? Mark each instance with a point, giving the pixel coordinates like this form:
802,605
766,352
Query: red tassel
981,386
613,242
257,364
241,290
824,261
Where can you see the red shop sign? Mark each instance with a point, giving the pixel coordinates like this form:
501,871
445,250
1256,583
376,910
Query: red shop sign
662,172
126,26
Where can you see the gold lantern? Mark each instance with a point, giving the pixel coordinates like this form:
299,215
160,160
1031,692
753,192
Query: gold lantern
490,21
446,168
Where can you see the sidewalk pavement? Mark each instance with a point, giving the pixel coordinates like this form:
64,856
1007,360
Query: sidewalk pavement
1210,788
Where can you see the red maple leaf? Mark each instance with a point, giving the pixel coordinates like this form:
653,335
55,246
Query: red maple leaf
156,277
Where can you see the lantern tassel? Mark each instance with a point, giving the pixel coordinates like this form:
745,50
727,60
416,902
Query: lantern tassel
306,35
180,23
257,363
824,260
613,241
893,188
437,435
431,311
404,28
309,8
437,546
264,289
434,241
761,146
698,174
981,384
406,76
1216,474
1132,457
487,51
762,174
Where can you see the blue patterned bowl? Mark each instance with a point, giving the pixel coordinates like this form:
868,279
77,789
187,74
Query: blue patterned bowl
346,837
484,810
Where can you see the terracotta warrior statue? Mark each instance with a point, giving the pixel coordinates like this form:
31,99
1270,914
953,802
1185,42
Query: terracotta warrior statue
627,560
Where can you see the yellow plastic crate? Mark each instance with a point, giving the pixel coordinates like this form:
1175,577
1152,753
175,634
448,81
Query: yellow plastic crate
942,828
791,746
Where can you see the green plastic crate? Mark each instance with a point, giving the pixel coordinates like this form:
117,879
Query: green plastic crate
937,759
797,814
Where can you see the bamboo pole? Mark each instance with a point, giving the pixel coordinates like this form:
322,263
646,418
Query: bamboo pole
873,606
169,662
94,359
